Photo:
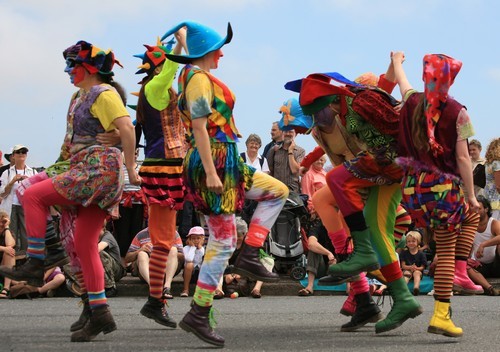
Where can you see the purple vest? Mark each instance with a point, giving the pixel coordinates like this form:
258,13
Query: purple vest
445,133
85,125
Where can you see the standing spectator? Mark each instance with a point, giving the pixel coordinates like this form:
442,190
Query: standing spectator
252,157
5,167
131,219
10,203
312,181
109,252
7,251
194,251
492,187
413,260
284,161
276,138
478,169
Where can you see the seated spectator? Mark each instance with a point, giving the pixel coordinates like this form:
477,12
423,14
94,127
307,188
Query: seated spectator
111,261
7,251
194,251
413,260
175,262
319,257
485,258
53,279
138,258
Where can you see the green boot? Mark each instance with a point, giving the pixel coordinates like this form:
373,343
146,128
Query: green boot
363,257
405,306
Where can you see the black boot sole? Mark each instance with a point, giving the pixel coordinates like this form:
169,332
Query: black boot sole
151,316
188,328
245,273
373,319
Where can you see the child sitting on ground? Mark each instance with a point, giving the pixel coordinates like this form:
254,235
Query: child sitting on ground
193,257
413,260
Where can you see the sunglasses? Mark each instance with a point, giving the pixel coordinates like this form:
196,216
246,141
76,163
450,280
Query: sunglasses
22,151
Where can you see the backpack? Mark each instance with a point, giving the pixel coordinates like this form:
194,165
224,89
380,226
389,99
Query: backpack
244,157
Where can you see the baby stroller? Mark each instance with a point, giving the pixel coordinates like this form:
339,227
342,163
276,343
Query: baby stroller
285,242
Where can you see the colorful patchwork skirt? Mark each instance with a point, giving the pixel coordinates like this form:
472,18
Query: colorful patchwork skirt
95,176
236,177
434,199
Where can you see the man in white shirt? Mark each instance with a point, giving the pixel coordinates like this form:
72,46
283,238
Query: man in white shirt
10,181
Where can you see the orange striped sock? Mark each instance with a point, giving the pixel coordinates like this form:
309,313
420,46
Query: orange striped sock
157,266
466,237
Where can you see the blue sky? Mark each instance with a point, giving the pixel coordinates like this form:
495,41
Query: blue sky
274,41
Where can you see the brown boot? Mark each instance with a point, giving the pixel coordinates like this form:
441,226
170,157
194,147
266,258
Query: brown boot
31,272
197,321
84,316
100,320
248,265
155,309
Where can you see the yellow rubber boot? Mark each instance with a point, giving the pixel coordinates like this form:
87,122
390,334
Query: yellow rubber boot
441,323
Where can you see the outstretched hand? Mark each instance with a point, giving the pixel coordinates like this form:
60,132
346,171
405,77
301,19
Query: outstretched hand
398,56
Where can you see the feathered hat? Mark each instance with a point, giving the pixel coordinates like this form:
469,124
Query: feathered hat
317,91
94,59
154,56
200,40
293,117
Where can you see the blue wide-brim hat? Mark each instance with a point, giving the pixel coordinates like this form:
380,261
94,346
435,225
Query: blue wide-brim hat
200,40
293,118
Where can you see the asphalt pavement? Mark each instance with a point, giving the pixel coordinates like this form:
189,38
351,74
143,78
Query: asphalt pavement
273,323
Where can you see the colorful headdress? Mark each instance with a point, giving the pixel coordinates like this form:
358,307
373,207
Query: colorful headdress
317,91
438,76
154,56
94,59
293,117
200,40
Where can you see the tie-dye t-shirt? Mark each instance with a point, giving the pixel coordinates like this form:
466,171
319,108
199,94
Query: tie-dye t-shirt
206,96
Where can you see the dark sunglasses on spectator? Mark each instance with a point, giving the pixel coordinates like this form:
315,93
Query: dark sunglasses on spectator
22,151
